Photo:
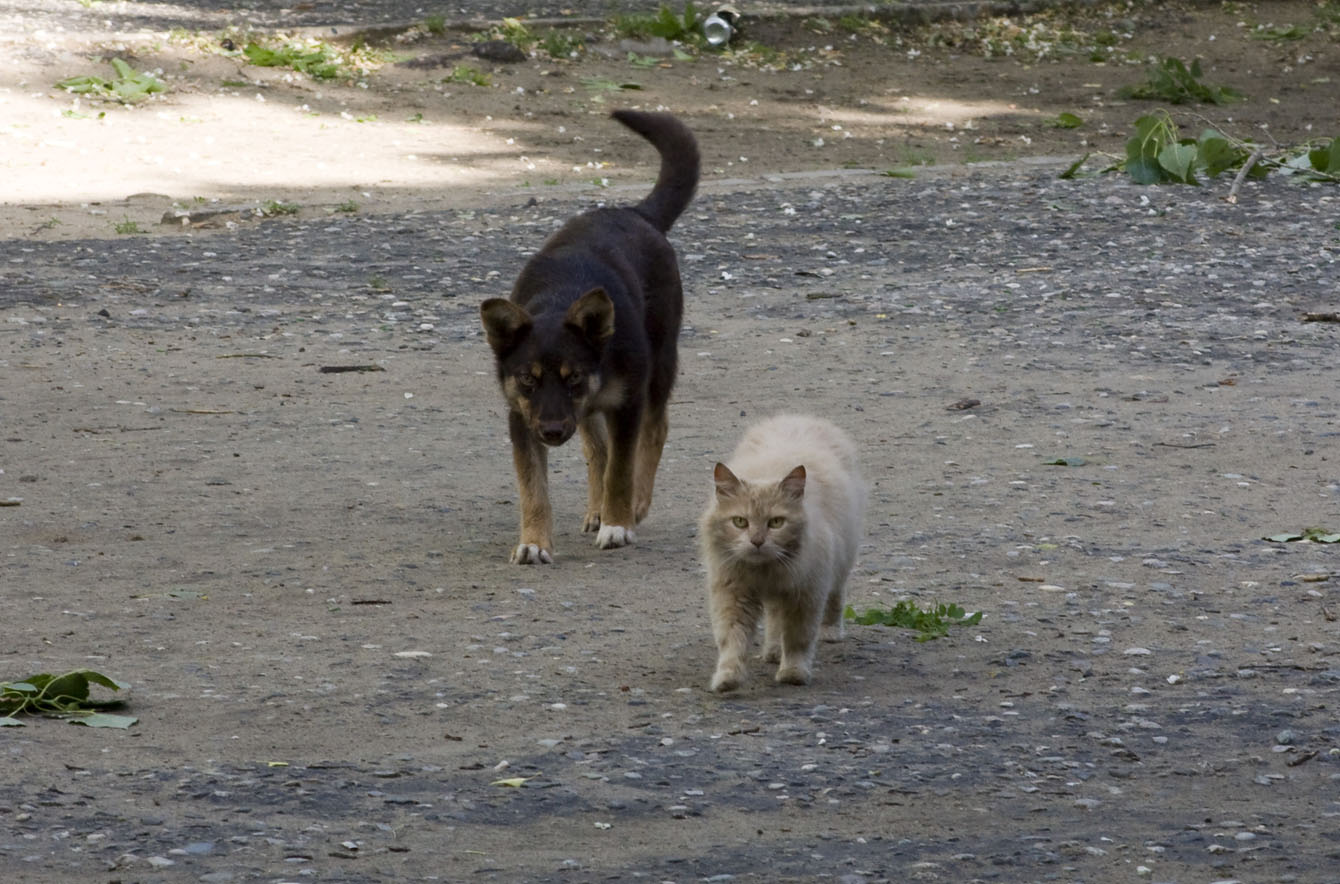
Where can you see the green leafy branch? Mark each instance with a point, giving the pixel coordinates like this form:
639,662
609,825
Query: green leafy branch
1313,535
1170,80
512,31
929,623
128,87
318,60
666,23
61,696
1157,153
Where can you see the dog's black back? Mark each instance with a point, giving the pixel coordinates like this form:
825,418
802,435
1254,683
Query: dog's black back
624,252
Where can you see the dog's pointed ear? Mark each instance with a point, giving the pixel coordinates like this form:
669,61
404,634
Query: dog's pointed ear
592,315
728,484
504,323
794,483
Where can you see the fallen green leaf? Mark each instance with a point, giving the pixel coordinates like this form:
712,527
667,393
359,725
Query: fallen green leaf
1316,535
128,87
1177,160
102,719
512,782
1072,171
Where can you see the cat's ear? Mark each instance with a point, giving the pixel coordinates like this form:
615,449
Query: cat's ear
794,483
727,482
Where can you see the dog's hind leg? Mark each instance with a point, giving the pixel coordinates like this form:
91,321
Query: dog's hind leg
595,446
616,508
650,442
532,479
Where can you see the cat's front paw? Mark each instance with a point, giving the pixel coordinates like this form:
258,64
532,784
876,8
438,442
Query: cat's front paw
833,633
727,678
531,554
610,536
793,675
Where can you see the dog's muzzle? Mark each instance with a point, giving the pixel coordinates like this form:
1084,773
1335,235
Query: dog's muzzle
555,433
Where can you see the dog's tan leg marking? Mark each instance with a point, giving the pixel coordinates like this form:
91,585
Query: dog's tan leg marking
616,508
650,442
532,479
595,445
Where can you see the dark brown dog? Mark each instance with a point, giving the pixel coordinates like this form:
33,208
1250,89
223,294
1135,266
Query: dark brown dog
588,341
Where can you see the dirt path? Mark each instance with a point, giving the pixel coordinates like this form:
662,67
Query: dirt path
303,575
427,125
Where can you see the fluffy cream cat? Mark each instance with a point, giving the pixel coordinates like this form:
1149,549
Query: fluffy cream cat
779,539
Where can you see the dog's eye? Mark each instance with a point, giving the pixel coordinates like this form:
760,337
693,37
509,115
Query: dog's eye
739,521
575,378
776,521
526,382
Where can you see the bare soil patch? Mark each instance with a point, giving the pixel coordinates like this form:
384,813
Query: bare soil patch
818,94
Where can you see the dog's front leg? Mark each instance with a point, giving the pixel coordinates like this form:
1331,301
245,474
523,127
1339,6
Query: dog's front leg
532,478
595,445
616,511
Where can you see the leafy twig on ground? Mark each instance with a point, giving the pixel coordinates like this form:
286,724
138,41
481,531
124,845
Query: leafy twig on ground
1158,154
930,623
61,696
665,24
315,60
1314,534
1172,81
1243,172
128,86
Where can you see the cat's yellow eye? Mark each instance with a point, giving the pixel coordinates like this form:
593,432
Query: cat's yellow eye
739,521
776,521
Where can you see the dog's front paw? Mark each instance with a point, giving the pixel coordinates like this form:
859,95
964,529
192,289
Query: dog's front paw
531,554
591,523
610,536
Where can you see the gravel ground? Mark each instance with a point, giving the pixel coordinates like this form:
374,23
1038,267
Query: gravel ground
304,574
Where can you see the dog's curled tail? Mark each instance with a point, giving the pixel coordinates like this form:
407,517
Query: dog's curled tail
678,178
